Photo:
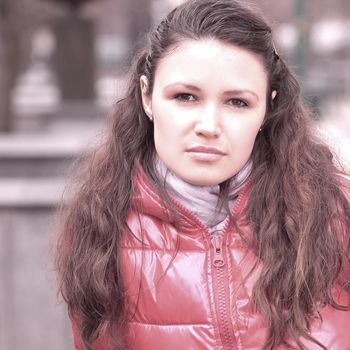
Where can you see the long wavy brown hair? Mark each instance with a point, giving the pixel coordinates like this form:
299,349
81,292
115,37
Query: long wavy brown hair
299,216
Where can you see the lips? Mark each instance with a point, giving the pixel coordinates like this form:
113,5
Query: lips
205,149
205,154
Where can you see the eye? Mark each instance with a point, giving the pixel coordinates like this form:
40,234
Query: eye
184,97
238,103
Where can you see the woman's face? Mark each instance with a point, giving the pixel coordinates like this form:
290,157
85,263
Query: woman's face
208,103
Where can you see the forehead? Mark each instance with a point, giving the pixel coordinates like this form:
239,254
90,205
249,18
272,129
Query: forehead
201,61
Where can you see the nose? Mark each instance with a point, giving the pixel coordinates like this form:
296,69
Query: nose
208,122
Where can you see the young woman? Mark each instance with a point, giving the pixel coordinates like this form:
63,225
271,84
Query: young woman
210,218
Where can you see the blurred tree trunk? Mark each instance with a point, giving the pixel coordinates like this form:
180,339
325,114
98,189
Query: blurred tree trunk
75,58
140,14
9,64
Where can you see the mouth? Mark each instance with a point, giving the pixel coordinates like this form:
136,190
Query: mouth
205,153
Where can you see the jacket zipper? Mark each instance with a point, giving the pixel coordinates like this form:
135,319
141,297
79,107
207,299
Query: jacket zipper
221,295
220,276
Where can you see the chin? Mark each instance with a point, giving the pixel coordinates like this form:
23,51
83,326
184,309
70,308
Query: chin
202,181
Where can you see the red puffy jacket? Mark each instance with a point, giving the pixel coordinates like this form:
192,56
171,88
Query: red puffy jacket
185,286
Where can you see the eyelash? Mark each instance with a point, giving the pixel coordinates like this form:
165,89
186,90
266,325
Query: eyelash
180,97
240,103
183,97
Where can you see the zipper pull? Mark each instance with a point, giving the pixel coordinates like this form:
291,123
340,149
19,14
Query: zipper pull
218,260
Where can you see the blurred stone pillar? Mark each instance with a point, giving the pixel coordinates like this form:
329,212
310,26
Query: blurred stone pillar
75,58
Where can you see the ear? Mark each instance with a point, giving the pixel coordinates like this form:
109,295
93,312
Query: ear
146,96
274,94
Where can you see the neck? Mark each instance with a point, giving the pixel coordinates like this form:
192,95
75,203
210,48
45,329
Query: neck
203,201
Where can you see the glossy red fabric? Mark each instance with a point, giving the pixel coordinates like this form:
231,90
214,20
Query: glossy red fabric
185,287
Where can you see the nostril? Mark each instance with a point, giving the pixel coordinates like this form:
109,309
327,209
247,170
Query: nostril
207,130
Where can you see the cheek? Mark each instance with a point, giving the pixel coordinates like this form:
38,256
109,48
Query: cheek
162,121
243,135
170,122
167,130
244,128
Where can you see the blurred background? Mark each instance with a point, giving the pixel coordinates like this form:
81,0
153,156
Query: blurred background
62,66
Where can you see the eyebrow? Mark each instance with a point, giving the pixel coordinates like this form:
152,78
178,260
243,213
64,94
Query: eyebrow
229,92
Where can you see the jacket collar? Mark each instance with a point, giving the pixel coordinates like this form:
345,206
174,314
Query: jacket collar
147,201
